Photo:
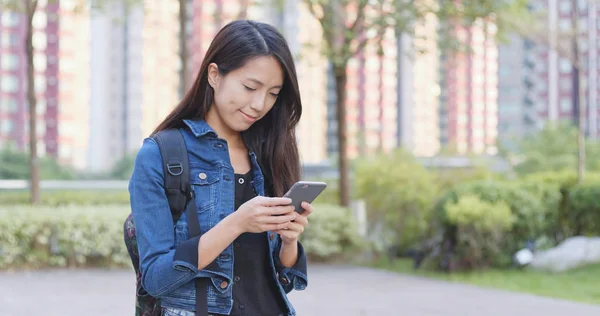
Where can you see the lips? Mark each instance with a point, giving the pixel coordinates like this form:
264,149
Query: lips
249,118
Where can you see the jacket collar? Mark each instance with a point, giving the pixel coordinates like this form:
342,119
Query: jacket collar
199,127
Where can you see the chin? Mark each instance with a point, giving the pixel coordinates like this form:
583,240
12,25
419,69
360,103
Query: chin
240,127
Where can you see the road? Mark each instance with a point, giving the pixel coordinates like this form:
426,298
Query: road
332,290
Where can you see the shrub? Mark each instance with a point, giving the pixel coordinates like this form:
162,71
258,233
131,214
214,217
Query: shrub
70,236
481,228
332,232
398,192
68,197
581,215
534,206
60,237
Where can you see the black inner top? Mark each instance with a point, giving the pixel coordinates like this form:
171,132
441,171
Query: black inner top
254,289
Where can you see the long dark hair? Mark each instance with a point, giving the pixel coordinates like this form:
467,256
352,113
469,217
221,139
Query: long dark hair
273,137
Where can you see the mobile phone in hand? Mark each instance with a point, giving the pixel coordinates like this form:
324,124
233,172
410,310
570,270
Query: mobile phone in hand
304,191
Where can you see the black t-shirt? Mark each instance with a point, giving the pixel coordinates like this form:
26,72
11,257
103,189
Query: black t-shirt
255,292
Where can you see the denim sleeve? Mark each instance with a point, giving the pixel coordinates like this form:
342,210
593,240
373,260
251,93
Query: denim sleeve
294,278
161,271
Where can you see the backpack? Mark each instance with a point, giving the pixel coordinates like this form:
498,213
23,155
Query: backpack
180,194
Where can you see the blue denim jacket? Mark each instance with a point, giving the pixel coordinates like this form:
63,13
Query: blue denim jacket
168,257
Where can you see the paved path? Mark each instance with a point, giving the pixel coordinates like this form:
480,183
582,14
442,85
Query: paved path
346,291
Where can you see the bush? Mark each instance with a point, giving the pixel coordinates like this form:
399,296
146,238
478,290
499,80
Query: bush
64,197
398,192
70,236
574,203
61,237
481,228
534,205
332,232
581,215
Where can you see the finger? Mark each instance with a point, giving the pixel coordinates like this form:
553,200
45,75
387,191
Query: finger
275,201
280,210
308,209
277,227
295,227
302,220
280,219
288,234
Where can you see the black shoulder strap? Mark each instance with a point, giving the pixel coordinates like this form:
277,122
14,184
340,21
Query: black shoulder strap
176,169
177,187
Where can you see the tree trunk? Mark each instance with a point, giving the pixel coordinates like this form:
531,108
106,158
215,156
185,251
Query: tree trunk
183,50
340,91
34,164
243,14
580,90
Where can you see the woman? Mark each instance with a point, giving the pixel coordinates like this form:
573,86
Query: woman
238,121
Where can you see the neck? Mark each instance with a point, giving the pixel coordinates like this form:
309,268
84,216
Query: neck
233,138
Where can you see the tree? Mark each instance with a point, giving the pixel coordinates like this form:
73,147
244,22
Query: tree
28,8
350,25
183,49
565,44
551,149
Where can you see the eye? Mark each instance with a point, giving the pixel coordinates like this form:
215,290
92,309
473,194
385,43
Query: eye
275,94
248,88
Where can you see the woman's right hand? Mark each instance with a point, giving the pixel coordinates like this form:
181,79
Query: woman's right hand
262,214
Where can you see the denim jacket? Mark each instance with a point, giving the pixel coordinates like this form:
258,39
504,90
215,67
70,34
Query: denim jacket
168,256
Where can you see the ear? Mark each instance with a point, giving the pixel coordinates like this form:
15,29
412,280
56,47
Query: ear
213,75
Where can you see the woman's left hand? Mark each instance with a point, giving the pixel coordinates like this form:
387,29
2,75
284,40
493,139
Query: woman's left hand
290,235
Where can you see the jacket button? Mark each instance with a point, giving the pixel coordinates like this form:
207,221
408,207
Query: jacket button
224,285
284,281
202,175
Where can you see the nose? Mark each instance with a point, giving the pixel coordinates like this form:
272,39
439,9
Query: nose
258,103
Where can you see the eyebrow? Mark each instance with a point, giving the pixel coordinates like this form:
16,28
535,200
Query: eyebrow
262,84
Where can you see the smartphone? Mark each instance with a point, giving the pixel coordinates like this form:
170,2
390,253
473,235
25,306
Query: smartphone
304,191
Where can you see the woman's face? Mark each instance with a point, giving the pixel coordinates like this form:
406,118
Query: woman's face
244,95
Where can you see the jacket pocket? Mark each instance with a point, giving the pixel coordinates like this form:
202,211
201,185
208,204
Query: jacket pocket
205,183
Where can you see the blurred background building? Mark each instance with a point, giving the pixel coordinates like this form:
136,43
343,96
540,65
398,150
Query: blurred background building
105,80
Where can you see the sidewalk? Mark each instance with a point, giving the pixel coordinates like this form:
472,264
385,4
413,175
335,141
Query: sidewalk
332,290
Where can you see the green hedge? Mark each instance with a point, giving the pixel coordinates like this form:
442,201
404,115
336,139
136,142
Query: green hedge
399,195
535,207
332,232
60,237
68,197
73,236
481,228
581,212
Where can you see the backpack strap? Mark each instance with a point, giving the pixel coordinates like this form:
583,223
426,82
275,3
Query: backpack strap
179,192
176,169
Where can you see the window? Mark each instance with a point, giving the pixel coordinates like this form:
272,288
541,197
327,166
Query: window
564,25
39,62
565,105
40,84
565,6
40,128
40,106
40,20
7,127
9,40
39,41
10,62
10,84
565,66
10,19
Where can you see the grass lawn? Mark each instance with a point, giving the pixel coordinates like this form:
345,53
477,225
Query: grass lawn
580,285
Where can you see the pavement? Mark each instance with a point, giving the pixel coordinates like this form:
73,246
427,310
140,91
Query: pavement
332,290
